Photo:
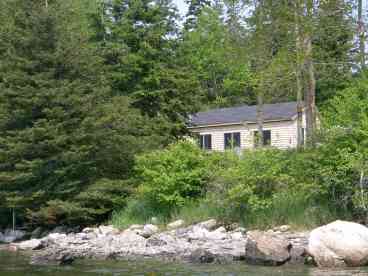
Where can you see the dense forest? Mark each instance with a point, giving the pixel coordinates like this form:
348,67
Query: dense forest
95,96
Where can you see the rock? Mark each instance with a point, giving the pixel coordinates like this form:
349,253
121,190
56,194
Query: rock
33,244
208,224
201,256
129,236
59,230
136,227
37,233
284,228
266,249
154,220
220,230
54,238
88,230
338,244
237,235
161,240
298,255
11,236
149,230
52,256
241,230
176,224
107,230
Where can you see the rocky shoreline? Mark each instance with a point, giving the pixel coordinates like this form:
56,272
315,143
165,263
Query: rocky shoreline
205,242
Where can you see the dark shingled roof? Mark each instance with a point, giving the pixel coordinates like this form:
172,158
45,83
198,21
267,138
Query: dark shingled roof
246,113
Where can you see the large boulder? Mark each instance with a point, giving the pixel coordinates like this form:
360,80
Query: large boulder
340,243
264,248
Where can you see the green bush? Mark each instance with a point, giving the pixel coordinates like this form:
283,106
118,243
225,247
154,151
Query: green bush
172,177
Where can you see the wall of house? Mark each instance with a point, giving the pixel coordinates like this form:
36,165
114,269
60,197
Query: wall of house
283,134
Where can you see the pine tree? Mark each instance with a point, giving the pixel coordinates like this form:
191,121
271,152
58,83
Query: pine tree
142,58
195,8
67,145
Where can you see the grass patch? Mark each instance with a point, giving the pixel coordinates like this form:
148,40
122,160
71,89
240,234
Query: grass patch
293,209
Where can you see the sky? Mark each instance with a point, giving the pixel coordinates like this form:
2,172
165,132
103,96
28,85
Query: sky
182,6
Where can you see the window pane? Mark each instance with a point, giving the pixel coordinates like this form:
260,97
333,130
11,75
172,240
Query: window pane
232,140
227,140
201,144
236,140
255,138
208,141
267,137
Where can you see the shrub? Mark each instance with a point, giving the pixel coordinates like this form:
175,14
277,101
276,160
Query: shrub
172,177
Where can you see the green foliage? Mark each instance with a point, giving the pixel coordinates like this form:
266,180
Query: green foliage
170,178
67,143
218,62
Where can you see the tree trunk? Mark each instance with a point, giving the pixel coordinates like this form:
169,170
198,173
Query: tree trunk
298,76
310,96
361,33
259,139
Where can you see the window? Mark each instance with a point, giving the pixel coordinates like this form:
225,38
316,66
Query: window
303,136
232,140
266,138
205,141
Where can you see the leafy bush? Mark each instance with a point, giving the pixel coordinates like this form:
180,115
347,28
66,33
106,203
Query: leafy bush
170,178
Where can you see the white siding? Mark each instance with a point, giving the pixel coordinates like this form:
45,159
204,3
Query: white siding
283,134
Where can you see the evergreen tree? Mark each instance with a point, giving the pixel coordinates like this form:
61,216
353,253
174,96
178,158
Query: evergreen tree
56,109
141,55
195,8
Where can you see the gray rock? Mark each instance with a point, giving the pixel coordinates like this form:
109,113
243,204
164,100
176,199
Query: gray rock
33,244
107,230
264,248
208,224
149,230
284,228
52,256
201,256
89,230
176,224
298,255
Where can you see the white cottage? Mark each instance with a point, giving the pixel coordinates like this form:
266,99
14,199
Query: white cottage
236,127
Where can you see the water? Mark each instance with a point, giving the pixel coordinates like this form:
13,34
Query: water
14,264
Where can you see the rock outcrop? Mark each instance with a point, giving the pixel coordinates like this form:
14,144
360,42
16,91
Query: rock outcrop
339,244
195,244
204,242
267,249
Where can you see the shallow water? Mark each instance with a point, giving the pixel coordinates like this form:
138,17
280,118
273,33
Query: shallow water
15,264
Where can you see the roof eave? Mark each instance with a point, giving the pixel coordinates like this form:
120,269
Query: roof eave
241,123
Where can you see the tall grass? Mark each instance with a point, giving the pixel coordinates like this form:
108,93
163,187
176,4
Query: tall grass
291,208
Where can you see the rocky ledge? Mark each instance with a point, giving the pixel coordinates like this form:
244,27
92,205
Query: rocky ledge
204,242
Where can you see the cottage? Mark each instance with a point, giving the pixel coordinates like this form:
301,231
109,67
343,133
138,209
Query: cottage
236,127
